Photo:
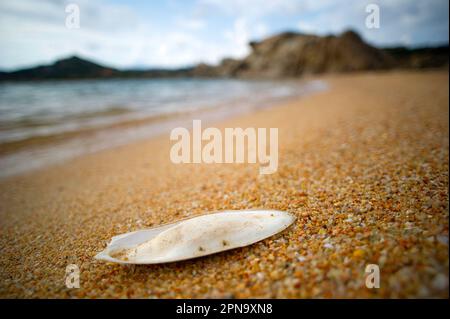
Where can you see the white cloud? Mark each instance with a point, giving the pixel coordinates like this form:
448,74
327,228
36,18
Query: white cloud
239,36
191,24
254,8
306,27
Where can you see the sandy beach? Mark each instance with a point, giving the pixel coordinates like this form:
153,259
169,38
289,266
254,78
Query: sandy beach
363,166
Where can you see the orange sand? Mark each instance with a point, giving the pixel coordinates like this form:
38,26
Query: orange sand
364,166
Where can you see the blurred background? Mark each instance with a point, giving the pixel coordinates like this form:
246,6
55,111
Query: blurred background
80,76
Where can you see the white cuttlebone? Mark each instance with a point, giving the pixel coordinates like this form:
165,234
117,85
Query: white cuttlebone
195,237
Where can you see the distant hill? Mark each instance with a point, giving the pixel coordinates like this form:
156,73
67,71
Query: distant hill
77,68
70,68
288,54
419,58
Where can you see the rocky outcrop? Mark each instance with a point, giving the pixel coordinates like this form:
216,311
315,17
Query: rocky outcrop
292,54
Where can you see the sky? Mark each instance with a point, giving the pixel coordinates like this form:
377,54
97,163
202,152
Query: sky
171,34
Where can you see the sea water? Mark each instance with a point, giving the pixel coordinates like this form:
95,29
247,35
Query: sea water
42,109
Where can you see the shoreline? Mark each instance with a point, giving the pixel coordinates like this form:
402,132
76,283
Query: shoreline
56,148
363,166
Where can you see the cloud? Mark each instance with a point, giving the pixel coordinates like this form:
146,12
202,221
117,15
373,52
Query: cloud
192,24
254,8
181,33
239,35
112,34
36,33
404,22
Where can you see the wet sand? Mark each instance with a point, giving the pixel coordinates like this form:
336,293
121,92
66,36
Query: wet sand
363,166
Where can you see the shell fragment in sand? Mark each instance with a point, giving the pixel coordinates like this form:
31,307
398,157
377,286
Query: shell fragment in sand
195,237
